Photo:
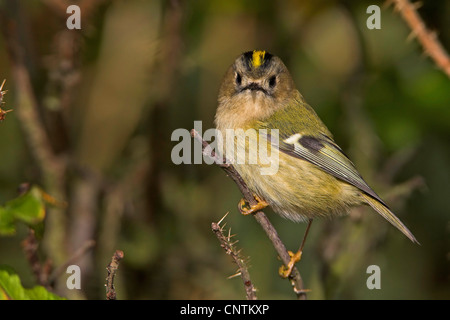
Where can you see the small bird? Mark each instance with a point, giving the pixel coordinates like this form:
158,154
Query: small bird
314,177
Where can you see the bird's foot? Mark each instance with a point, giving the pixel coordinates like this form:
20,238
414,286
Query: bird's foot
285,271
247,209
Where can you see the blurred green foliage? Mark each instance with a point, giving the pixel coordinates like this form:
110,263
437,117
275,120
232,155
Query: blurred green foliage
28,208
11,289
111,94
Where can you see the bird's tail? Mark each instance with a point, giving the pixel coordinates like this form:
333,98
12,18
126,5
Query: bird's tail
389,216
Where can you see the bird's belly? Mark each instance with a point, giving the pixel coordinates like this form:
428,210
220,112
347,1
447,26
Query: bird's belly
300,190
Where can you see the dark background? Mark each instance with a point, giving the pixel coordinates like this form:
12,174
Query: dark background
110,95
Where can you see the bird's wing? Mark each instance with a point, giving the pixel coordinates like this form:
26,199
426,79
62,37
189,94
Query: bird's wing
327,155
323,152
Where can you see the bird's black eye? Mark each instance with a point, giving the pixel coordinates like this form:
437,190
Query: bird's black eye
272,81
238,78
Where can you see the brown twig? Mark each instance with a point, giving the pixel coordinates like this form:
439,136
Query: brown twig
427,39
261,218
230,249
112,268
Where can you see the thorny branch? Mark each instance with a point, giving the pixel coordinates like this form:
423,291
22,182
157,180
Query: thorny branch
427,39
228,245
2,93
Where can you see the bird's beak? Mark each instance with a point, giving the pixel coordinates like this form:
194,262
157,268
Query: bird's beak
254,87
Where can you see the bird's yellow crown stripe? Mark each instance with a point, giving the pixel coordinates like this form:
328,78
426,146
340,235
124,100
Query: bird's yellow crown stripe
258,58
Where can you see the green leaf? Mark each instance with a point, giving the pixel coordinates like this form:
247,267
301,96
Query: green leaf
28,208
11,289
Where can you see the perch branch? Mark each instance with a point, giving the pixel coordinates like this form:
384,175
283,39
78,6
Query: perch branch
112,268
261,218
230,249
427,39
